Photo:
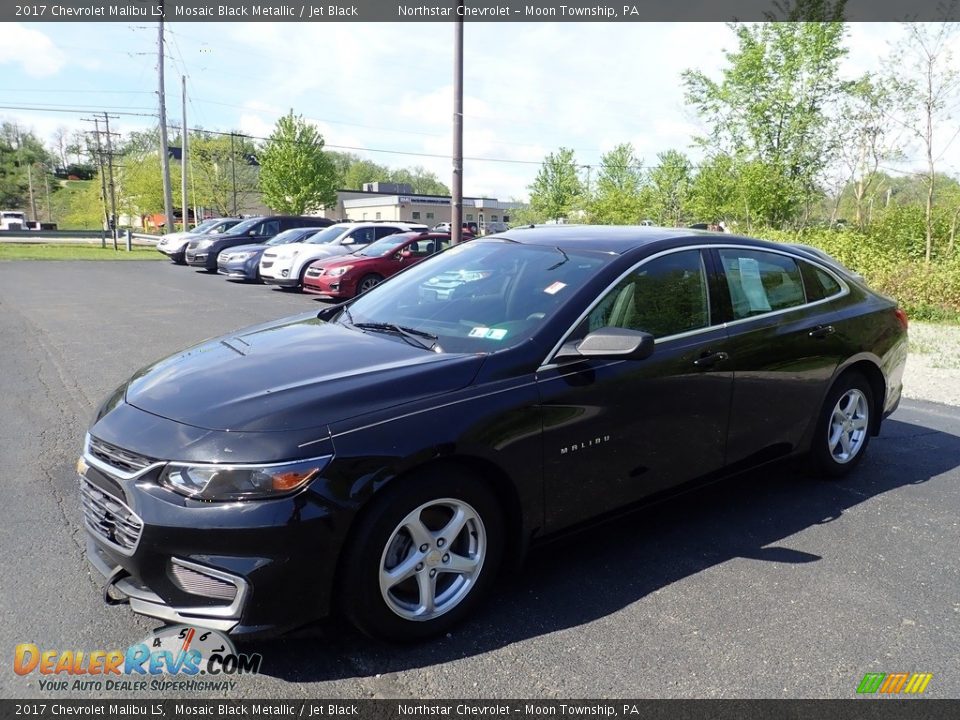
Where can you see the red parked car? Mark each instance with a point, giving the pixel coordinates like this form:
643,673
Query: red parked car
348,275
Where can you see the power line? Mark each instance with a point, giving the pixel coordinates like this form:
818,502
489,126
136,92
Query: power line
77,110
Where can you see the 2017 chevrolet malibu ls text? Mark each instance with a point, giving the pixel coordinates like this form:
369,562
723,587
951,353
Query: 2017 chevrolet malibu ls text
386,457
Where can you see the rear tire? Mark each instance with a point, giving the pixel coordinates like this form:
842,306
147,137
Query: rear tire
843,430
424,555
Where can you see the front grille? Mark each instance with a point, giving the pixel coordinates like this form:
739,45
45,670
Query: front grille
109,518
116,457
266,264
198,583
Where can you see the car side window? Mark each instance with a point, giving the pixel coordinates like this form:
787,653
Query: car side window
382,232
663,297
360,236
819,284
761,282
270,227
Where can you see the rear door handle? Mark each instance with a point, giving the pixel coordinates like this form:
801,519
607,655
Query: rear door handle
821,331
709,359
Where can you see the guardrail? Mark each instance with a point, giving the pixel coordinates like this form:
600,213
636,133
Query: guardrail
126,236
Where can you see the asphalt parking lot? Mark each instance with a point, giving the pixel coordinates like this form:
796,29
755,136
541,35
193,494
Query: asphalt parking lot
775,585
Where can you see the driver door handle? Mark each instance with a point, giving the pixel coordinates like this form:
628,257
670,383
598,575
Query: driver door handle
709,359
821,331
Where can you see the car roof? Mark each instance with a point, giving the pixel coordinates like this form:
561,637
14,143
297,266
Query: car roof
617,239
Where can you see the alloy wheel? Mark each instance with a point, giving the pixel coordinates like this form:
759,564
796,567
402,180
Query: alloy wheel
849,425
432,559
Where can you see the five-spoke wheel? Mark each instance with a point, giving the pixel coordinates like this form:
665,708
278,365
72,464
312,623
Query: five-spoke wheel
843,430
423,554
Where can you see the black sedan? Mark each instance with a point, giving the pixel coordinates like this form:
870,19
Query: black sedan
387,457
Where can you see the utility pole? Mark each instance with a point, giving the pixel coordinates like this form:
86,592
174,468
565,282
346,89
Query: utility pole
233,167
164,148
456,201
103,180
33,202
113,192
185,207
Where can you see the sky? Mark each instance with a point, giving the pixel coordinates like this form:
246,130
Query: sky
529,88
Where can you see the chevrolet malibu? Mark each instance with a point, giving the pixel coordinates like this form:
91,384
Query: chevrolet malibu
386,457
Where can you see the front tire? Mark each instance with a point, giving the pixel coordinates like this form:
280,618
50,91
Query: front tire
424,556
367,282
843,430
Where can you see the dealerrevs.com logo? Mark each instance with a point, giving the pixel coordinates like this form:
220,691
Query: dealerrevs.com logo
170,658
894,683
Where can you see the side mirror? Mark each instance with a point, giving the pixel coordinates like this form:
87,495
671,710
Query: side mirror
251,233
610,342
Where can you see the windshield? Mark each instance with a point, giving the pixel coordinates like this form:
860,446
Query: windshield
287,236
242,228
381,247
328,235
205,225
480,296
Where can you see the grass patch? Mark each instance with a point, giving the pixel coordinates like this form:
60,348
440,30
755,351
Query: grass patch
29,251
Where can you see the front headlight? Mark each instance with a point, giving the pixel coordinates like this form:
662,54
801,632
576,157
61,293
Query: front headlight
338,271
203,244
240,482
241,256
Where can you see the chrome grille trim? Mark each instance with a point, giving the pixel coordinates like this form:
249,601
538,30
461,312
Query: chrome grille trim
118,458
110,519
115,470
200,583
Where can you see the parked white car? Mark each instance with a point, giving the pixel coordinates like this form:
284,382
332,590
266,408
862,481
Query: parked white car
174,245
287,264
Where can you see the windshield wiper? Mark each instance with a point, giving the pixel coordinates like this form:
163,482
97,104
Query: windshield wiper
411,335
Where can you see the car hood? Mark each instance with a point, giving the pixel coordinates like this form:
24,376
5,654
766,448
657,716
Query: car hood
293,374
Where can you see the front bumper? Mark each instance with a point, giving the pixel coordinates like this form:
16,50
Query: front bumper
200,258
251,568
174,253
238,269
328,285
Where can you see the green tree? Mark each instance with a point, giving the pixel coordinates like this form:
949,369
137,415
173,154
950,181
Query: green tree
296,175
927,86
617,199
220,168
557,190
715,191
772,104
669,187
22,155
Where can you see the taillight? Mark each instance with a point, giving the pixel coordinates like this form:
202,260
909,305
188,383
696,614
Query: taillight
902,317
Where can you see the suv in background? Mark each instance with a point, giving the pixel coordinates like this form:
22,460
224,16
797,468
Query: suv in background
174,245
203,252
286,265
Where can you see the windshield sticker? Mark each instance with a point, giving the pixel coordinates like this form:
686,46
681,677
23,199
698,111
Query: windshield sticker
488,333
554,288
